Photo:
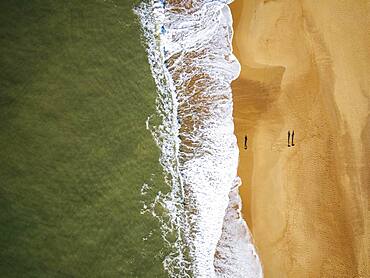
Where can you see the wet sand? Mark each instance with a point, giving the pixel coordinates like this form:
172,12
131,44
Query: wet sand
305,67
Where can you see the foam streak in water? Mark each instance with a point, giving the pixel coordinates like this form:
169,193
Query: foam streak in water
190,53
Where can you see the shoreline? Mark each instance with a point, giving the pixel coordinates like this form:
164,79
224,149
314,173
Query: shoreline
192,64
307,203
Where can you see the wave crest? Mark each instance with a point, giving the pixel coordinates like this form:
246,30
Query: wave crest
190,53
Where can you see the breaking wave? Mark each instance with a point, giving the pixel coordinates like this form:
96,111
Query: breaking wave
190,53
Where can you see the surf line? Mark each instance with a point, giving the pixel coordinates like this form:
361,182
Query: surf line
190,54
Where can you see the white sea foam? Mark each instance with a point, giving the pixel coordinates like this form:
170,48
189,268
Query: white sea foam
190,53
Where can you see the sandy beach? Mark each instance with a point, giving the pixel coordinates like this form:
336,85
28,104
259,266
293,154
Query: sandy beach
305,68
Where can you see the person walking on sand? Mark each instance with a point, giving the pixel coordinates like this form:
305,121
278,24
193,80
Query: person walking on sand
289,138
245,142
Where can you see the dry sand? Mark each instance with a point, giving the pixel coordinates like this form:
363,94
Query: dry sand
305,67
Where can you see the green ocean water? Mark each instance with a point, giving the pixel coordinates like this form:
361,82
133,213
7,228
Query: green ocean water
75,92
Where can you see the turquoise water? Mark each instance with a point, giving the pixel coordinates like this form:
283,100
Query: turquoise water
75,92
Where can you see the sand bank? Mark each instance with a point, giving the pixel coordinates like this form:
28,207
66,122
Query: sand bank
305,67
